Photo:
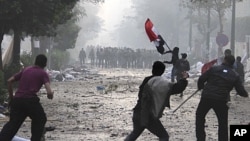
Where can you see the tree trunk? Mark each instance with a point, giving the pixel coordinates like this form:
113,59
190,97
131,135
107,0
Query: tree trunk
35,49
44,44
16,47
220,20
232,43
190,29
208,31
1,61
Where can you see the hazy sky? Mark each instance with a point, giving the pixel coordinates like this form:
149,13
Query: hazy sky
111,12
123,22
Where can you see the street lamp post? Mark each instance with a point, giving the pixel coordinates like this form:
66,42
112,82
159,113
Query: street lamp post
248,44
232,45
208,30
50,49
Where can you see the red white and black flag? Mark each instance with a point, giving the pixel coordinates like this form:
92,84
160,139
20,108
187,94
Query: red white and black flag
154,36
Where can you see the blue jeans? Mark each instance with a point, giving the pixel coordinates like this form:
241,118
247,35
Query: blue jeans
173,74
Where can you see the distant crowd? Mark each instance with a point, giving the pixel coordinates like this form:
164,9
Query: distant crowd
113,57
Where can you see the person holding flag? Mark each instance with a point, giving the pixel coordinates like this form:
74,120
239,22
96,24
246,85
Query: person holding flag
174,59
154,36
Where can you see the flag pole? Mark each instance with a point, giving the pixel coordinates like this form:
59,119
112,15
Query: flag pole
164,41
185,101
166,44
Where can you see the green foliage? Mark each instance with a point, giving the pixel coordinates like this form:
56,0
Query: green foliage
66,35
58,58
25,16
35,18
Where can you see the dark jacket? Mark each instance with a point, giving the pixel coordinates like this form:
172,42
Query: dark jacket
239,67
218,81
175,57
144,82
182,65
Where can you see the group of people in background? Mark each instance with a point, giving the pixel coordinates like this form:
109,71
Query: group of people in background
82,57
114,57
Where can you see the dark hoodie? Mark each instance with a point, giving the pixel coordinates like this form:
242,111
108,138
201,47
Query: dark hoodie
175,56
